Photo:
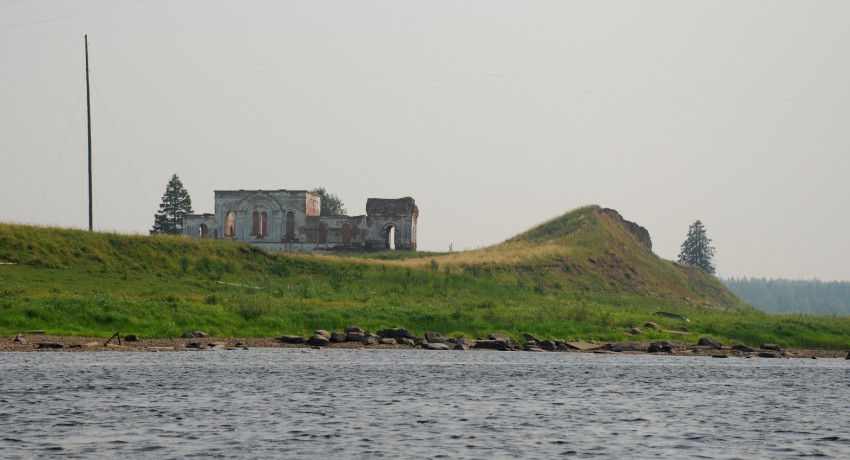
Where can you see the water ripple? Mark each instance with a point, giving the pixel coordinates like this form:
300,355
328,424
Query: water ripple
350,403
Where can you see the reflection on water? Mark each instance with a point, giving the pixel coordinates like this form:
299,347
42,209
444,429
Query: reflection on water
407,403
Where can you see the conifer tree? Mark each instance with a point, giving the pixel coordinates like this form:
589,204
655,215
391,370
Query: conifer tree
697,249
176,204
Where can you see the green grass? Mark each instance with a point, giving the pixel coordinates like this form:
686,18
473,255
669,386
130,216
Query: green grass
580,276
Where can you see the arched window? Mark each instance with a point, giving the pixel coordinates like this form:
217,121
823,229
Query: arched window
264,224
323,233
290,226
346,234
255,223
203,231
230,225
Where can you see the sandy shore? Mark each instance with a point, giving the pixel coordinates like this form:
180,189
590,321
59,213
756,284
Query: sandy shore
64,344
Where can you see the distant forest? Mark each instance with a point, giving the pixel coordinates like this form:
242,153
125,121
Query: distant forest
785,296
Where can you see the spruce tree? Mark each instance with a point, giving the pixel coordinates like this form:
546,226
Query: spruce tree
176,204
697,249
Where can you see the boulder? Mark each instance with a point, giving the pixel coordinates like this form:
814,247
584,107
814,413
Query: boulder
709,342
498,336
199,334
49,345
318,341
464,342
848,355
661,346
671,315
355,336
187,335
435,337
548,345
350,329
131,338
719,355
742,348
635,331
194,345
395,333
19,339
436,346
529,337
369,340
408,342
771,347
620,347
323,333
513,345
296,339
651,325
580,345
389,341
500,345
765,354
339,337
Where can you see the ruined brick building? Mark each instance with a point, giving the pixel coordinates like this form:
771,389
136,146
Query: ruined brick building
289,221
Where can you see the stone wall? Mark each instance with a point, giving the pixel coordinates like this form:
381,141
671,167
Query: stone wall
289,221
392,223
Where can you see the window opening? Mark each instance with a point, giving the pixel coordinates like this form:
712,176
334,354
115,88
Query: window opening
346,234
290,226
323,233
255,224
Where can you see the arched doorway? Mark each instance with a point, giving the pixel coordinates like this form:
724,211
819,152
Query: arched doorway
230,225
203,231
389,232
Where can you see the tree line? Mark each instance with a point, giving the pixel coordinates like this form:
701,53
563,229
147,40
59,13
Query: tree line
786,296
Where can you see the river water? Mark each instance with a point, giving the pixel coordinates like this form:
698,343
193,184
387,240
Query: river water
298,403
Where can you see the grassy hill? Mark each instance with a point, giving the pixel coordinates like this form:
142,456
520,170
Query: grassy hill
584,275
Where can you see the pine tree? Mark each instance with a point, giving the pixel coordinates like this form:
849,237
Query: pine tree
176,204
697,249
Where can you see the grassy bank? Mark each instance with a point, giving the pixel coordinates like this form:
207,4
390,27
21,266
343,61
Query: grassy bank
580,276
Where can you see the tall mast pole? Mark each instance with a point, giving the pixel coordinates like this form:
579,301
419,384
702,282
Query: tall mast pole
88,111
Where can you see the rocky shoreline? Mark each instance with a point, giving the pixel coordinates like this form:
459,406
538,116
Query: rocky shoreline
400,338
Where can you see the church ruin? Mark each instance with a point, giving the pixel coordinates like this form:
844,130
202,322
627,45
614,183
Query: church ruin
290,221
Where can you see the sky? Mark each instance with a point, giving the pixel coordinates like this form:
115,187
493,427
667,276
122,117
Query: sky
494,115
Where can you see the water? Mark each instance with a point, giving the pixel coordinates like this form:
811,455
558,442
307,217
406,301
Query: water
295,403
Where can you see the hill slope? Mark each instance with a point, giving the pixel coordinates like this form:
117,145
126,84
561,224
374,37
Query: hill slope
587,274
594,250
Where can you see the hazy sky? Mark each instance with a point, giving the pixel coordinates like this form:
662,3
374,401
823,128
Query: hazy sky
494,115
